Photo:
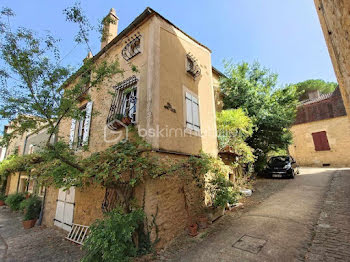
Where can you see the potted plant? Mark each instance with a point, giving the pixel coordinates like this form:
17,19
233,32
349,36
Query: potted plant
203,222
126,120
193,230
2,199
32,208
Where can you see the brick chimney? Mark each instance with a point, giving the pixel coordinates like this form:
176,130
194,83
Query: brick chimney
313,94
110,27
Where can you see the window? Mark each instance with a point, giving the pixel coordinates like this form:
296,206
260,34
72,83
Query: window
192,66
321,141
192,112
80,129
123,107
132,47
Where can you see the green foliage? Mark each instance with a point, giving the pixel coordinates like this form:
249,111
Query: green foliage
111,239
314,84
220,189
272,109
17,163
32,207
14,201
2,197
224,191
35,92
234,127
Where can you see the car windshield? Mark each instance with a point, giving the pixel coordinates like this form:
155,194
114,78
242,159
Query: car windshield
279,160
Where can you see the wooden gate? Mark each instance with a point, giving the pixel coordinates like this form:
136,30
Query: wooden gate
65,209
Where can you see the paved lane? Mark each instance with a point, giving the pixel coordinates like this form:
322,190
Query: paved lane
281,228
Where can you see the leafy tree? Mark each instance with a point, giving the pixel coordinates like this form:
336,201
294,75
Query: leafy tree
272,109
234,127
34,88
314,84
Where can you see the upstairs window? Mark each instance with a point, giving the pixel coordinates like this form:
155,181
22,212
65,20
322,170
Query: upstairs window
80,128
321,141
192,66
123,108
192,112
132,47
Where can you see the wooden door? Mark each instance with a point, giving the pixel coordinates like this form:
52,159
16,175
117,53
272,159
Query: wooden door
65,208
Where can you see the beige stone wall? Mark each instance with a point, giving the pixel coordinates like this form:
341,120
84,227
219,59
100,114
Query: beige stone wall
12,184
219,103
50,206
338,134
174,81
335,21
88,204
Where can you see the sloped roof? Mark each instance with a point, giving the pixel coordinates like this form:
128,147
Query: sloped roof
318,99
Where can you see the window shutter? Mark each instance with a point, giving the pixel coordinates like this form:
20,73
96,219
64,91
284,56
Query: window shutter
189,118
320,141
195,113
87,123
72,133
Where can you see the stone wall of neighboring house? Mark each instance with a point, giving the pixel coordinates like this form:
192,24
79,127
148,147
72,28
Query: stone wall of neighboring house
338,134
12,182
26,144
219,103
323,107
16,144
335,21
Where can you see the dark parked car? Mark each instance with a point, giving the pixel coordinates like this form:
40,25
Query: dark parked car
282,166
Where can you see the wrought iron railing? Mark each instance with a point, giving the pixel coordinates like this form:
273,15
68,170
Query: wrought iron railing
192,66
123,108
133,47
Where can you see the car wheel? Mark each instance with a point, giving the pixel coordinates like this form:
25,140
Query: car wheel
293,175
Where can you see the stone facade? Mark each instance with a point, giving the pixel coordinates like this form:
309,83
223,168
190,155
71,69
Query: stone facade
335,21
303,149
162,81
321,113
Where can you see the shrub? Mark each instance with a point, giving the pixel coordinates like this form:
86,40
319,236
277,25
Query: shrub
223,191
32,206
14,200
2,197
111,239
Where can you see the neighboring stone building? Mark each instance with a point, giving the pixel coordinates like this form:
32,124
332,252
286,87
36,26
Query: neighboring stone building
171,91
335,21
2,151
25,144
321,133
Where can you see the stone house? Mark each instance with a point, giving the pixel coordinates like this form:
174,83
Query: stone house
27,143
321,132
335,22
171,102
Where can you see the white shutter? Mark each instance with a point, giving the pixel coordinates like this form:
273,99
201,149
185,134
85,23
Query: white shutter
195,114
72,133
189,118
87,123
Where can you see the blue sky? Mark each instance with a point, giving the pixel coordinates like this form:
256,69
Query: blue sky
284,36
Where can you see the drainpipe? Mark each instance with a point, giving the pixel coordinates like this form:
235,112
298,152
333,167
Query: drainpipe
40,220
